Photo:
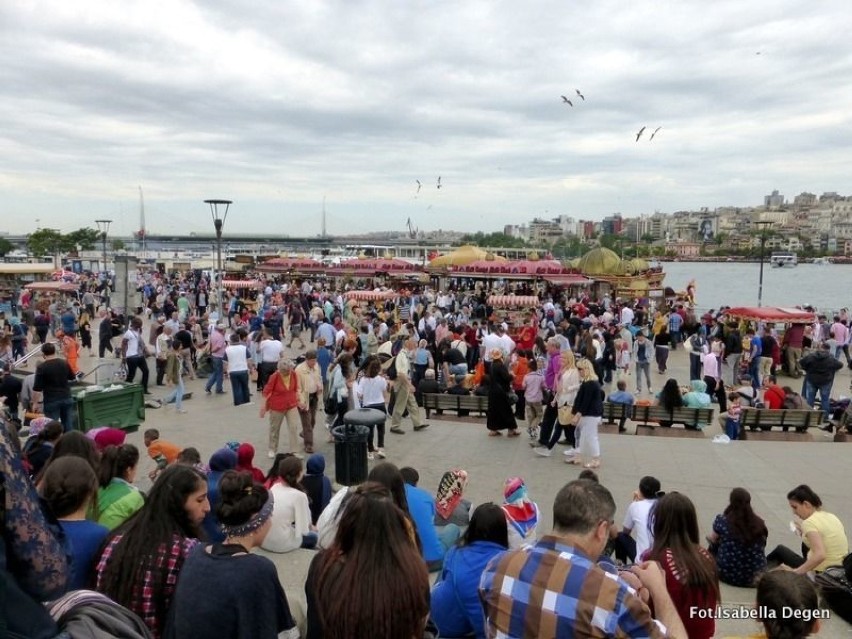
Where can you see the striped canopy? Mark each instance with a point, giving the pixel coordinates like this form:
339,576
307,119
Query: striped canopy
513,301
368,296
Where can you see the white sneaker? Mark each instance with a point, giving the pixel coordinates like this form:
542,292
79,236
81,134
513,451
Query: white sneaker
541,451
371,456
570,452
381,454
182,411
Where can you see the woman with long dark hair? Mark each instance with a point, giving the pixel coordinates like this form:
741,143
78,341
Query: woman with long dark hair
456,608
141,562
689,569
44,433
224,590
670,398
824,541
738,541
375,561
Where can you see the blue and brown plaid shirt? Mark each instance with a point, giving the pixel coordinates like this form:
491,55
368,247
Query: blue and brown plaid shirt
554,590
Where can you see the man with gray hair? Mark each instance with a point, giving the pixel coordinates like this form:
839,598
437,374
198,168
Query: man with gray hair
556,589
403,388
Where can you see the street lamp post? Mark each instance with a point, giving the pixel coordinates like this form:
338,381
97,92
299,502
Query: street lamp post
103,227
763,225
218,207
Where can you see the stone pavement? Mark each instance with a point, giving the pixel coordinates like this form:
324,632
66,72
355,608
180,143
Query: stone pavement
702,470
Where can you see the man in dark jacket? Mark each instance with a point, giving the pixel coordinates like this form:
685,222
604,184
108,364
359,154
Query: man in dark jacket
820,368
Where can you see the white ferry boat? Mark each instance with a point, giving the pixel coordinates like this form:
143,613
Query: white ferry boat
784,259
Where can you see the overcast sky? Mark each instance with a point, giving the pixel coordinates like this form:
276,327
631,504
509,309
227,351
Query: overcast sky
277,105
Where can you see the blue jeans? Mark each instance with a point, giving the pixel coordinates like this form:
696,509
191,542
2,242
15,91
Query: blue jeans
62,410
215,376
309,540
824,396
732,428
447,536
240,387
176,395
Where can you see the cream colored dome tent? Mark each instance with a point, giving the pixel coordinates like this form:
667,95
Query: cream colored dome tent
463,256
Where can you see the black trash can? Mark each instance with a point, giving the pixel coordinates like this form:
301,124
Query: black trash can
350,445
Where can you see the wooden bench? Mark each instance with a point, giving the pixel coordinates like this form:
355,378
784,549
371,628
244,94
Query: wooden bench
440,402
766,419
843,429
613,413
648,418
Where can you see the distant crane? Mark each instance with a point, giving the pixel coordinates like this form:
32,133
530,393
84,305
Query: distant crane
412,230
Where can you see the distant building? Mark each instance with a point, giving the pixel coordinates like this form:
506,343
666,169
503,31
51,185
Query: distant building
612,225
773,201
684,249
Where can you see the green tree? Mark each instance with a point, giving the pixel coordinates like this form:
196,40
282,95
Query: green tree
86,238
118,245
494,240
45,242
5,247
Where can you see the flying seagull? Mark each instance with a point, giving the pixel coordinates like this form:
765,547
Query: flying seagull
439,181
567,101
418,185
639,135
654,133
582,97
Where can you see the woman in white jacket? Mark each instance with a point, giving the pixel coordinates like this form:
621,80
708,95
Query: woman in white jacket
291,515
569,383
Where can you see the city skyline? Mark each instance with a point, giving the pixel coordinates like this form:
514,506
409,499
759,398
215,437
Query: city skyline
278,107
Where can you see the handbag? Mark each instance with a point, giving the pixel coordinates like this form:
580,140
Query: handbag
513,398
565,415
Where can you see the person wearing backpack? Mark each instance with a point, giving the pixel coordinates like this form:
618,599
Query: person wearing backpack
398,371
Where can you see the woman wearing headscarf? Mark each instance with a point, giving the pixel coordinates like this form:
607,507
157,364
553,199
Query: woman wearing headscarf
222,460
521,513
500,416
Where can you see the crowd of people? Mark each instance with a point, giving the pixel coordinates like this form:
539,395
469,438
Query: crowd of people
178,561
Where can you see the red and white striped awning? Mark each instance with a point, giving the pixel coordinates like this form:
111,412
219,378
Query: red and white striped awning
242,283
368,296
513,301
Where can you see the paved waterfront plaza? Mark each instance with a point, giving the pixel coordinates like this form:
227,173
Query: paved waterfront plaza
697,467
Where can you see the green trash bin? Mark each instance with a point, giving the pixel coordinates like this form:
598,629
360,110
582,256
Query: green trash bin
118,405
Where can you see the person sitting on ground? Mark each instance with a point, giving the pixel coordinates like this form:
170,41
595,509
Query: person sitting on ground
521,512
317,486
780,595
456,608
563,566
669,398
435,541
164,453
689,569
792,399
373,553
738,542
70,487
224,590
621,396
637,522
142,560
291,518
118,499
220,461
44,433
191,457
245,462
824,539
450,504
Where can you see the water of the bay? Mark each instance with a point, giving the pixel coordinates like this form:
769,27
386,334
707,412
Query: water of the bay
825,287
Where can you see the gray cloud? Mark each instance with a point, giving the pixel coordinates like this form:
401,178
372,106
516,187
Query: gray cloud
276,105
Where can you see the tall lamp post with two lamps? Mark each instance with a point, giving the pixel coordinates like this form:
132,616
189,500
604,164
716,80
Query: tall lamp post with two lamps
219,212
762,225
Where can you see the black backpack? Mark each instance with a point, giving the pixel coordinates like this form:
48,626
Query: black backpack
835,583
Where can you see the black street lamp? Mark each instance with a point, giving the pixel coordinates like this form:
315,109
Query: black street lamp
217,206
103,227
763,225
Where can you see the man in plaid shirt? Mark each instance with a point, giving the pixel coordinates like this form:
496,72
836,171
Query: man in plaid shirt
556,589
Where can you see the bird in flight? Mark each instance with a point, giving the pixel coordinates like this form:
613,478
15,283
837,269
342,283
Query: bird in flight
655,133
639,135
439,181
418,185
582,97
567,101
